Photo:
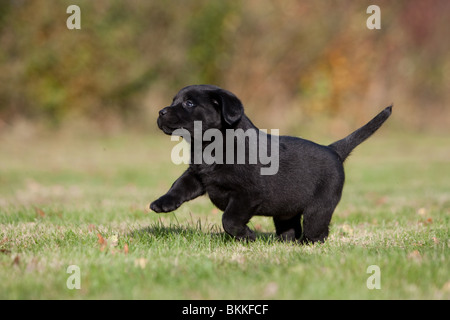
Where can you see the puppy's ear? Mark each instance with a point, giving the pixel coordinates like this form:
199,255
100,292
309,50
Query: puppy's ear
232,108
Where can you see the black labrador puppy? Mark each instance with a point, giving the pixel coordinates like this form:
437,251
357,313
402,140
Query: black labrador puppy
304,178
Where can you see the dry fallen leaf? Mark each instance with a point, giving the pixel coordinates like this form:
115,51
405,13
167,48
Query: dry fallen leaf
381,200
39,212
102,242
426,221
16,261
125,248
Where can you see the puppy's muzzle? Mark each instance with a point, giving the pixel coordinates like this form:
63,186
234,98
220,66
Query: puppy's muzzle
164,123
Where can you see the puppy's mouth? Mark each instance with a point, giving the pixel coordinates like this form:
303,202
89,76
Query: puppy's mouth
170,130
167,130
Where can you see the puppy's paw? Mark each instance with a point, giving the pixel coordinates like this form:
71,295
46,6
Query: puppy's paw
166,203
249,235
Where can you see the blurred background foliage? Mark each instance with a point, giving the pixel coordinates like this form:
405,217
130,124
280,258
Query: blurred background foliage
288,61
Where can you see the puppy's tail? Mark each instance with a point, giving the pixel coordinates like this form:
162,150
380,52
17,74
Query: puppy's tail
345,146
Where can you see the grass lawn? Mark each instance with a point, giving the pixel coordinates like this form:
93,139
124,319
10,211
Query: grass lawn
81,200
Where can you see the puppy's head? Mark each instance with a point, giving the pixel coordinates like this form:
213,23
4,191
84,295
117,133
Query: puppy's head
214,107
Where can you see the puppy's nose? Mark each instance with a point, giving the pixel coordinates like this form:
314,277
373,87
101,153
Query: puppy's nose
162,112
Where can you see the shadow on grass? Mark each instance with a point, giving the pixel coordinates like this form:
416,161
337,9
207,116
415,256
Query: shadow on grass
196,232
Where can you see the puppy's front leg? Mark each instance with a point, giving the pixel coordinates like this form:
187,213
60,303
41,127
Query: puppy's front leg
235,219
185,188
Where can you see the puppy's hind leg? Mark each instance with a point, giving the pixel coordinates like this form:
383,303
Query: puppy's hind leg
317,215
288,229
316,220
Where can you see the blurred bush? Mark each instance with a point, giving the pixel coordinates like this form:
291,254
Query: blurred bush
287,60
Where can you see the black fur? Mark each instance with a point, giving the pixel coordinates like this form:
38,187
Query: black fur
308,183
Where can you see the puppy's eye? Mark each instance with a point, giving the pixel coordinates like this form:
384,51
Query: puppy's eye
189,104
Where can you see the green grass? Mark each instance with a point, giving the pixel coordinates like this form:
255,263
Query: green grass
81,200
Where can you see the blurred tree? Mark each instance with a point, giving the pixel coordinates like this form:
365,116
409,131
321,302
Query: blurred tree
208,45
290,59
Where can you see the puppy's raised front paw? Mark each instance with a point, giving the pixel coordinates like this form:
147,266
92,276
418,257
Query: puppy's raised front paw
166,203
